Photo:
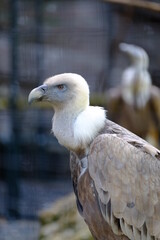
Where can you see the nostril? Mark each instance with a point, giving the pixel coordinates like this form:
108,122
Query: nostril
44,88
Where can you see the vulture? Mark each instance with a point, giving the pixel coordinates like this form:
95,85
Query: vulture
135,103
115,173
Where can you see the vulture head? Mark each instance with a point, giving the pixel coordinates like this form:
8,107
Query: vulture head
62,91
137,55
75,123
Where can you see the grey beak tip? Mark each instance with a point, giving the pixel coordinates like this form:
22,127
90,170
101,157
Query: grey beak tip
37,94
29,102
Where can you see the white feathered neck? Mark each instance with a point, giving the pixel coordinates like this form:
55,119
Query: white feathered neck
77,131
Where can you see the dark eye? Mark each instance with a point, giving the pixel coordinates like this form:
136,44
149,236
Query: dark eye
60,86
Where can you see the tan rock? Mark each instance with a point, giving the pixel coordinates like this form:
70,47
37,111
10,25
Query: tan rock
62,221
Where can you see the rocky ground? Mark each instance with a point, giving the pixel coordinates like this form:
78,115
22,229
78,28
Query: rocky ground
62,221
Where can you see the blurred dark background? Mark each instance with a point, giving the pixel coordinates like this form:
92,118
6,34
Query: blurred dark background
43,38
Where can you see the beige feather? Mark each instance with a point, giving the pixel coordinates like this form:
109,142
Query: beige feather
132,186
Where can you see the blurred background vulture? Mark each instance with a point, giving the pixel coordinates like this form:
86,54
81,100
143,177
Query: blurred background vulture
135,103
115,174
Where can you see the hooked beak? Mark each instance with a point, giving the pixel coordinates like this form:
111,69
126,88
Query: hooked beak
37,94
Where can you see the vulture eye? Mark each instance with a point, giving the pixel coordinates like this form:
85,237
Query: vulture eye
60,86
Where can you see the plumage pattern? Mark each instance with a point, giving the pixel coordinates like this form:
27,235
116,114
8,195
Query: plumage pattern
130,179
115,174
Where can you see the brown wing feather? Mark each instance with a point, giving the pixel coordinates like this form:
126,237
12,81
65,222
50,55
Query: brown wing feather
127,176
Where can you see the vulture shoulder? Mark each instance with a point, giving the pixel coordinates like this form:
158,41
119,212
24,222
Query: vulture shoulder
155,98
126,173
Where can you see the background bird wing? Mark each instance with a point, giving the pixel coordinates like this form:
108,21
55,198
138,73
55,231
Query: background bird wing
126,175
155,99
